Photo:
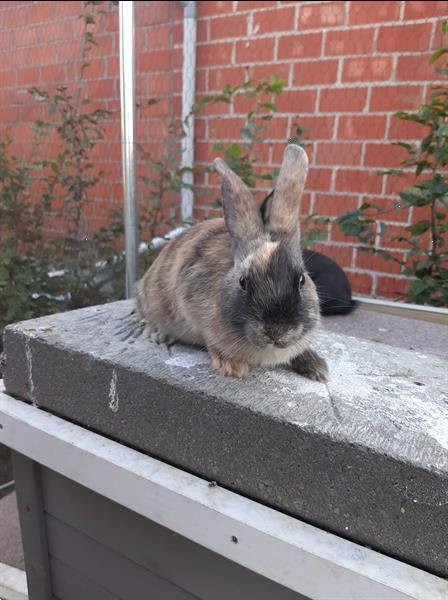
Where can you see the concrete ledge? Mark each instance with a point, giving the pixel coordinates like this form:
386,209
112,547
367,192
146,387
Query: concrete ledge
366,458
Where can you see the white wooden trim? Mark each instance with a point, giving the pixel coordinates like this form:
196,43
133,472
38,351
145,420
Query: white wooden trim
303,558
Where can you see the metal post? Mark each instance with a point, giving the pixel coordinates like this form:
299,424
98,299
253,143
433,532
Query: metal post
127,92
188,93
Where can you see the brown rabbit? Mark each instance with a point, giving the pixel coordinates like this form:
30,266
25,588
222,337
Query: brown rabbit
238,285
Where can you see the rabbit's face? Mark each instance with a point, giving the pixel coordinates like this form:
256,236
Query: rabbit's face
270,299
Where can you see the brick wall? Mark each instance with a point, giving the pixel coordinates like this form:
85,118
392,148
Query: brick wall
348,67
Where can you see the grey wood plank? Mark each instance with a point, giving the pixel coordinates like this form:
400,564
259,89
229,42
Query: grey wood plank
70,585
105,567
27,475
190,566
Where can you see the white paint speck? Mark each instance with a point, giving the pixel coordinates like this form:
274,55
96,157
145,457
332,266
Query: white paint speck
113,393
187,360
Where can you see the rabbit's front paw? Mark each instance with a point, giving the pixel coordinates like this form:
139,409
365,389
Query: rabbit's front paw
229,367
311,365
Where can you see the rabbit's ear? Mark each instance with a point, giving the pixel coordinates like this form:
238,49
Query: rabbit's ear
243,220
281,210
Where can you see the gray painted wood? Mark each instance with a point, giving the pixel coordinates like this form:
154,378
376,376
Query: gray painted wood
70,585
108,569
188,565
27,475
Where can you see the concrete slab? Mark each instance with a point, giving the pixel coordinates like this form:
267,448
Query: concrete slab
366,458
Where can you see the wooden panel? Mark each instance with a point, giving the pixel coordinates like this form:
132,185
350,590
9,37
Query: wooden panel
70,585
105,567
190,566
27,475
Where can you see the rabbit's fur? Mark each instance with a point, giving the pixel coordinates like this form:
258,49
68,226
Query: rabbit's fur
238,285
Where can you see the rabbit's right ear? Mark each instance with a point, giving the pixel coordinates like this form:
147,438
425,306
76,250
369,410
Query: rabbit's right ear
280,210
243,219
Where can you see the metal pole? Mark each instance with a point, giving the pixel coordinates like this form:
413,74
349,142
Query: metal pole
127,93
188,93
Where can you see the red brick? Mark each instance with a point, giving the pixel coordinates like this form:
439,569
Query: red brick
396,184
404,38
343,100
46,55
113,66
377,68
269,21
157,38
68,8
416,68
361,127
6,40
388,209
210,8
333,206
202,33
299,46
318,15
28,76
26,36
384,155
296,101
7,78
356,181
96,68
373,12
353,41
319,179
52,32
424,10
389,238
248,5
277,128
260,72
395,98
225,129
214,54
101,89
391,287
218,78
361,283
318,128
330,153
255,50
376,262
9,115
41,11
152,13
17,17
315,72
405,130
215,108
154,61
341,254
228,27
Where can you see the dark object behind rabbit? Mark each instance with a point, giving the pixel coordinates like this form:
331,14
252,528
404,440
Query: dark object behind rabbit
333,287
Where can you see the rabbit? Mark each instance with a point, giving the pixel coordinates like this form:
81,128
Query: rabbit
238,286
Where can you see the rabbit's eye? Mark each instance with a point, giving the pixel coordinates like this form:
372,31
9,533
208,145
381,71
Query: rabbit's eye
243,283
301,280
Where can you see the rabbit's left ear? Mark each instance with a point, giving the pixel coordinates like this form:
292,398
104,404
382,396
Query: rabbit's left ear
280,210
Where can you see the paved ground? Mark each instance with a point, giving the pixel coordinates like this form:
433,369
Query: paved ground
396,331
10,545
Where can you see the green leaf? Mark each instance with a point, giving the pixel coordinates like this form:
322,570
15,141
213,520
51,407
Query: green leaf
419,227
437,54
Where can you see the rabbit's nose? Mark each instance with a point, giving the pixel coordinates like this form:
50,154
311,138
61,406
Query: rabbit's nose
275,332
